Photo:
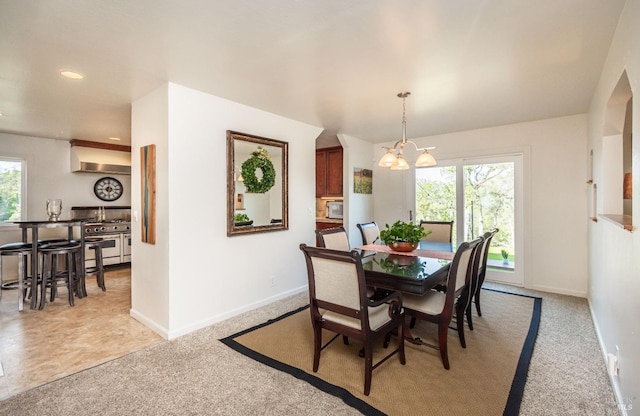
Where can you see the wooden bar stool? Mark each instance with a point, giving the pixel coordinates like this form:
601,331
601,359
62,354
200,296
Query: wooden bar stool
20,250
96,244
54,278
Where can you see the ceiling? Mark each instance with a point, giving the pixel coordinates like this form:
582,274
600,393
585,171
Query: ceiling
335,64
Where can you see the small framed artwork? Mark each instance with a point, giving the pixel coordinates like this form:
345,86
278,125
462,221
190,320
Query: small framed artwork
148,187
362,181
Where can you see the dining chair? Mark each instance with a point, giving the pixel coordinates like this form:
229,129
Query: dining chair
441,231
334,238
338,303
488,236
465,300
438,307
370,232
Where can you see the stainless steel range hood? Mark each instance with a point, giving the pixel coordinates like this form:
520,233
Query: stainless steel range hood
90,159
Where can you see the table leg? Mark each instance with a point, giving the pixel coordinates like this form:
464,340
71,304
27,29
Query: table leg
21,267
34,267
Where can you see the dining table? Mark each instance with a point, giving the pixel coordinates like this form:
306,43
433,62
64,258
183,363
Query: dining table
415,273
34,226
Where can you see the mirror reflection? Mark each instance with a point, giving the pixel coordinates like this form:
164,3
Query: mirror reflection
257,185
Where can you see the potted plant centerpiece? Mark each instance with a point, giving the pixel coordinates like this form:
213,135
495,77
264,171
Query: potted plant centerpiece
403,236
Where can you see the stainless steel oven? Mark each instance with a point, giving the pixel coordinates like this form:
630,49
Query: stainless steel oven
111,224
126,248
111,250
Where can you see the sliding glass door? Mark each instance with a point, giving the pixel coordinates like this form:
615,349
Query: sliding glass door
478,195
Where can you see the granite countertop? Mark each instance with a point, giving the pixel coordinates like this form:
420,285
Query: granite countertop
331,220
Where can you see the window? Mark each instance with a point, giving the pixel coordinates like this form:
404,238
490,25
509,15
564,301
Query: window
12,187
478,194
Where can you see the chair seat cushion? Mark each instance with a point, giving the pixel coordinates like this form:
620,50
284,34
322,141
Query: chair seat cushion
378,316
431,303
15,247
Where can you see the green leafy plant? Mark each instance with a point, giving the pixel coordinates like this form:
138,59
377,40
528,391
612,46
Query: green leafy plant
403,232
505,254
241,218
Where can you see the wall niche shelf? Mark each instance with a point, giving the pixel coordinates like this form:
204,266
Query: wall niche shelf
622,221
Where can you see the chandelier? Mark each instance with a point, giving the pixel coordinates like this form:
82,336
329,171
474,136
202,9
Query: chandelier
393,158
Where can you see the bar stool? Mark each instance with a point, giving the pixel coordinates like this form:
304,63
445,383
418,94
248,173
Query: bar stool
20,250
53,278
96,244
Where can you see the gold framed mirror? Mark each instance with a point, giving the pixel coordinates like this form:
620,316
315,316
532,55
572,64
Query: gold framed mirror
257,184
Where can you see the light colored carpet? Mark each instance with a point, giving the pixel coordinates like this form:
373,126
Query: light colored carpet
480,376
567,375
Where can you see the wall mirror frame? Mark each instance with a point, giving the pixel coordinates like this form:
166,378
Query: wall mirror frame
263,211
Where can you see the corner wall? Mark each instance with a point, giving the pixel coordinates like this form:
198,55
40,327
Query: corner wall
204,275
614,277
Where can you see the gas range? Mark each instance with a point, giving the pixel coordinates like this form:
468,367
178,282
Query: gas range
107,227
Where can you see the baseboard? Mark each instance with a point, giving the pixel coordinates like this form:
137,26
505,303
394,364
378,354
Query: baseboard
614,384
221,317
149,323
551,289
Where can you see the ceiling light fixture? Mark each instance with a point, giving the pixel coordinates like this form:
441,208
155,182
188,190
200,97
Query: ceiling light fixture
393,158
71,74
117,139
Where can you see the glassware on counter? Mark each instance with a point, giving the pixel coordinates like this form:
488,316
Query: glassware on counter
54,209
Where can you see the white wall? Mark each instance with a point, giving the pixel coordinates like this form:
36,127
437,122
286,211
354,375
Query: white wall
358,207
150,280
208,276
555,174
49,176
614,278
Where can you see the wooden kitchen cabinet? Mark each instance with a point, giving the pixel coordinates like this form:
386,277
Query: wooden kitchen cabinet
329,172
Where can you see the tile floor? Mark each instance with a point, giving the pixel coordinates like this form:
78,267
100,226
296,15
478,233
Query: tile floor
39,346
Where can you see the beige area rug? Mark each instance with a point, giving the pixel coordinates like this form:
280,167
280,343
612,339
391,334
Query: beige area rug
488,376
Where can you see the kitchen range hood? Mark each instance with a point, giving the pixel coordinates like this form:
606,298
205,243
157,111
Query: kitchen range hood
100,158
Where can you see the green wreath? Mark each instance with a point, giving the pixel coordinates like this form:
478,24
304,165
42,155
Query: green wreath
259,160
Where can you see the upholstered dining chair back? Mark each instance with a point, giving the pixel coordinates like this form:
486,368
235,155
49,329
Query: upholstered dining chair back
334,238
370,233
441,231
338,302
482,270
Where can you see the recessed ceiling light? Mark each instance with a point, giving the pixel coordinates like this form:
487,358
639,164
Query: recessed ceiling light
71,75
1,114
115,138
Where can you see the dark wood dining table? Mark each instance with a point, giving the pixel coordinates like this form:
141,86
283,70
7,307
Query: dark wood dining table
412,273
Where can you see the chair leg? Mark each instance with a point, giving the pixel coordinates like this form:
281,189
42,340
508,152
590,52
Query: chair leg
478,302
79,281
460,324
413,322
317,345
469,317
43,287
54,282
403,359
368,367
443,329
71,272
345,340
100,272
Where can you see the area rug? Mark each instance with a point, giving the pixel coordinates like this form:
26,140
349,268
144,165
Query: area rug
486,378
